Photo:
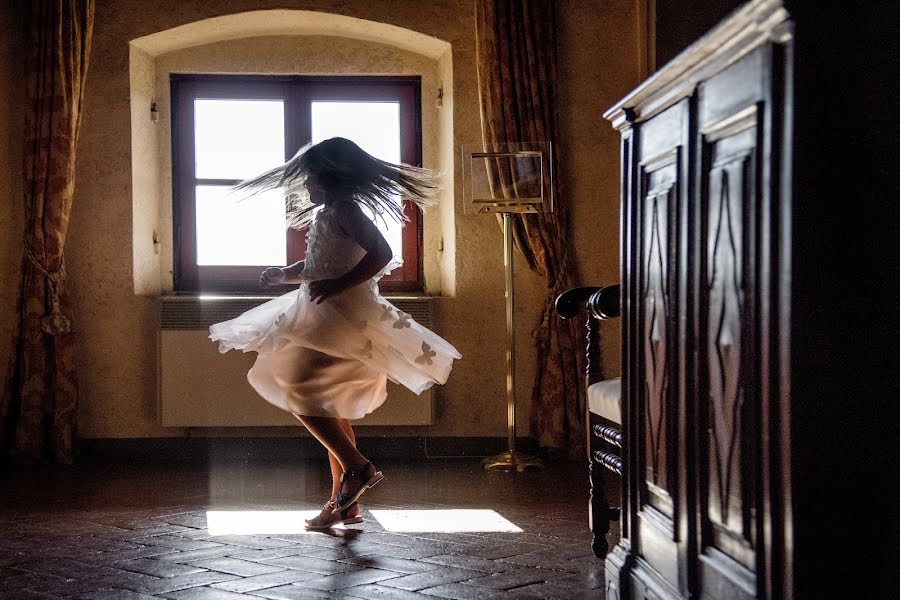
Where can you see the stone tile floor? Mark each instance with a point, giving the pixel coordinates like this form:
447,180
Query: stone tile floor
134,533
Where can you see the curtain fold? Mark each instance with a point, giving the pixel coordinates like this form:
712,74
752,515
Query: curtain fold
517,80
39,408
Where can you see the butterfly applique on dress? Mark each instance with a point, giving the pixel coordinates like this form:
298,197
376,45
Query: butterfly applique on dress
402,320
367,349
427,355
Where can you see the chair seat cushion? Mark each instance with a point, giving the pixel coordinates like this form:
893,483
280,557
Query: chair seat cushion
605,399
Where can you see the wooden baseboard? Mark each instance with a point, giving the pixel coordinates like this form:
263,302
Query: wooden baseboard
172,450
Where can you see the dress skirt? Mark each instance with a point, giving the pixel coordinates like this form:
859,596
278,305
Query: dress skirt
334,358
308,382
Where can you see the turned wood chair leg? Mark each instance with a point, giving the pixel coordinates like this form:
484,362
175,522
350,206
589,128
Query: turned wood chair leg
600,511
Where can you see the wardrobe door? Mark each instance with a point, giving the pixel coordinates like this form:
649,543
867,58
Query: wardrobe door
657,465
734,142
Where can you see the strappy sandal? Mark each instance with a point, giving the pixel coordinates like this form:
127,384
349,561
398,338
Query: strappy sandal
365,481
318,522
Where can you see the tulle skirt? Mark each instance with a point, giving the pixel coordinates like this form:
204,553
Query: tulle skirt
334,358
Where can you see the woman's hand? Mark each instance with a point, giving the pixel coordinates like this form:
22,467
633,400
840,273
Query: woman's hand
272,276
323,289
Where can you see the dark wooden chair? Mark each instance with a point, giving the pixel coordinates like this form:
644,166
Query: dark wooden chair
604,418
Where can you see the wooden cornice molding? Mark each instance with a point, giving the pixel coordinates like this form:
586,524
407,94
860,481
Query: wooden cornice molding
748,27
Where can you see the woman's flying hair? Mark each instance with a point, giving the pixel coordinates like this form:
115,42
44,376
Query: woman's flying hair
342,168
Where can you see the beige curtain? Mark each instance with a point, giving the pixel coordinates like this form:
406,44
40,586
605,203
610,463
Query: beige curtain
39,407
516,55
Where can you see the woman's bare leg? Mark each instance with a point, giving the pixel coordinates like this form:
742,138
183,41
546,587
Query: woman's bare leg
359,474
333,435
348,429
326,518
334,464
336,469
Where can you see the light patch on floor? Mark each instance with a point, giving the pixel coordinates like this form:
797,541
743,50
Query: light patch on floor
444,521
258,522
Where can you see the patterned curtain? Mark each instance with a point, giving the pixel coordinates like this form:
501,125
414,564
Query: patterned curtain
39,405
516,48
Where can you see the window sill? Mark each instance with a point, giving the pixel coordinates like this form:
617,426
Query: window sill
198,311
242,296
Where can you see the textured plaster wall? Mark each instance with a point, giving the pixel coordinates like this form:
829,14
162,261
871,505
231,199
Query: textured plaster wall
117,329
148,189
12,99
680,23
446,154
599,49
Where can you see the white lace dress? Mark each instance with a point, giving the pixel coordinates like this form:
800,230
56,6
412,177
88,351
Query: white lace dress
333,359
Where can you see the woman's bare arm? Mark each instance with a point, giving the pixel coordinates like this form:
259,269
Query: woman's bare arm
281,275
292,272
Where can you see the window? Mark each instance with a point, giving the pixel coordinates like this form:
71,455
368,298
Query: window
229,128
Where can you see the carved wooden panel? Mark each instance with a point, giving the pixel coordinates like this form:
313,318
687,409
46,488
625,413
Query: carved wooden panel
656,295
729,450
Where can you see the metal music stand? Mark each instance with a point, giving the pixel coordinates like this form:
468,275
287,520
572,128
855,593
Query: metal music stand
507,179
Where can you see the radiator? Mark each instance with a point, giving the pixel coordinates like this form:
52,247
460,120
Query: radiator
199,387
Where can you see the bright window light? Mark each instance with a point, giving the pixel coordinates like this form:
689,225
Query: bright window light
258,522
375,127
236,230
234,140
444,521
237,139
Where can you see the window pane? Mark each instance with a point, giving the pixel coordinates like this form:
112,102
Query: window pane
236,139
375,127
233,229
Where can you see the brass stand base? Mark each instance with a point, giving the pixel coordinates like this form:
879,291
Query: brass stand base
512,461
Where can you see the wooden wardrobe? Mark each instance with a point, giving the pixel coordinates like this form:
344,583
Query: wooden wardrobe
753,192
